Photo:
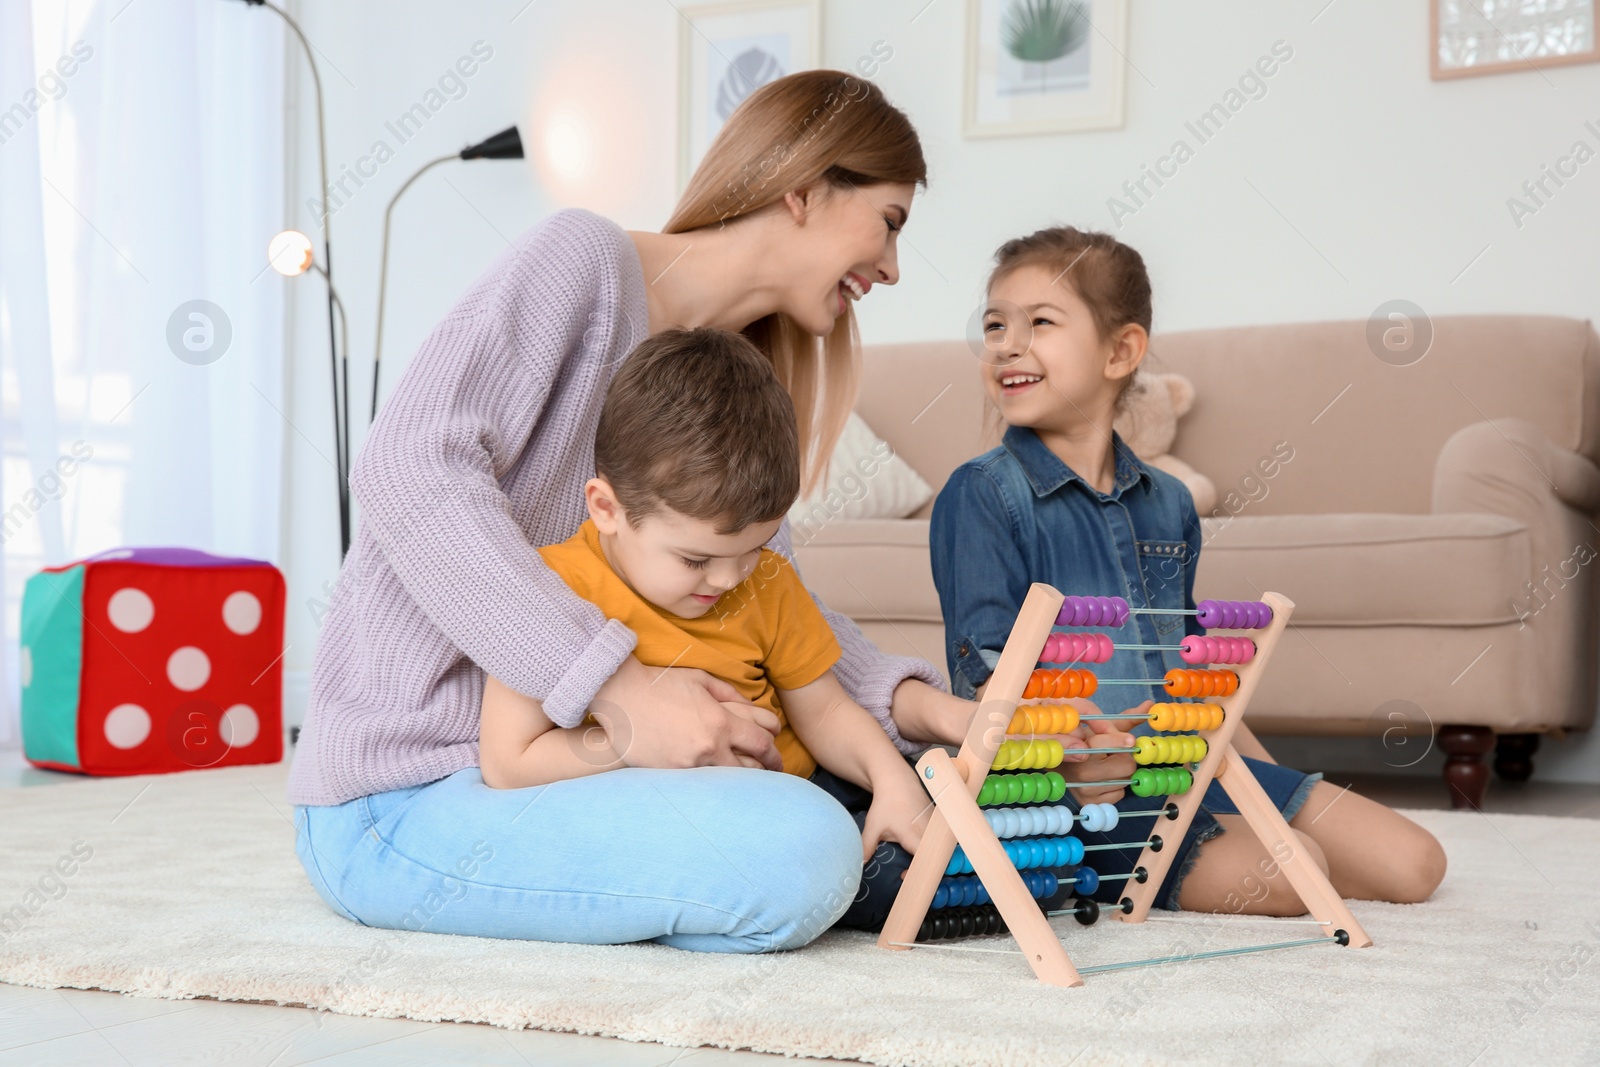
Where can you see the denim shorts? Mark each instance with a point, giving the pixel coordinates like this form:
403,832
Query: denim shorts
1285,787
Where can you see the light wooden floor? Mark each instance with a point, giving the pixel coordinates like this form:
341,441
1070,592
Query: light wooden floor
90,1028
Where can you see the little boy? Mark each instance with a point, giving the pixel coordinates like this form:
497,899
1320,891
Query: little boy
697,461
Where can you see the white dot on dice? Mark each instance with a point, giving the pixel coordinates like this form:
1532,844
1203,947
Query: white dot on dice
240,725
130,610
127,726
188,668
241,612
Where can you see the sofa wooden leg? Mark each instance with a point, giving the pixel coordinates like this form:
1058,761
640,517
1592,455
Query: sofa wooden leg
1466,771
1513,756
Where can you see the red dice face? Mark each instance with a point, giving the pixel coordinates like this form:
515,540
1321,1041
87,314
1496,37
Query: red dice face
182,667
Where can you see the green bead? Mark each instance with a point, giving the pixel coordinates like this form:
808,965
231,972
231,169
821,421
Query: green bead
1058,786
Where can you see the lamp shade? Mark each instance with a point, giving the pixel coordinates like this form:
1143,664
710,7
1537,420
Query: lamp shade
507,144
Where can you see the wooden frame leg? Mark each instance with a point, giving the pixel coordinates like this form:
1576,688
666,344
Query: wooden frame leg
1264,818
1039,943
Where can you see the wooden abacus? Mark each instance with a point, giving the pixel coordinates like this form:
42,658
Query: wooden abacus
958,784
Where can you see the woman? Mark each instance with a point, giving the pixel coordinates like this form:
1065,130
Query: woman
479,456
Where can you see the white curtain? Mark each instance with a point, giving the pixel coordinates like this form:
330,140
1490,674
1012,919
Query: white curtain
141,170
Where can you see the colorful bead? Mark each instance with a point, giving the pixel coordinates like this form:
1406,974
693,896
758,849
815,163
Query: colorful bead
1171,717
1086,880
1076,648
1161,781
1044,719
1068,683
1046,819
1092,611
1196,649
1184,748
1199,683
1234,614
981,919
1028,755
1022,788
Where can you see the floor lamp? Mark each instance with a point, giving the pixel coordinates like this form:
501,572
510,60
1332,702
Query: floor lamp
507,144
341,396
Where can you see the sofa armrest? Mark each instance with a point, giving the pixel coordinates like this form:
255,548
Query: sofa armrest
1510,467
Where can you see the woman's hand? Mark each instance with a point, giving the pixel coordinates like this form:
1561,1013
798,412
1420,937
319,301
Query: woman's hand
1087,768
683,717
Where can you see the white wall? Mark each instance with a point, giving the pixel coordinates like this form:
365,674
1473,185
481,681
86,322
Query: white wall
1353,180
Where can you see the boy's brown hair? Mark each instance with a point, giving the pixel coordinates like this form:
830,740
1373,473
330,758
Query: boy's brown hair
697,421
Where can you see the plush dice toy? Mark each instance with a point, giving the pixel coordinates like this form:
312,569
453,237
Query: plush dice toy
147,660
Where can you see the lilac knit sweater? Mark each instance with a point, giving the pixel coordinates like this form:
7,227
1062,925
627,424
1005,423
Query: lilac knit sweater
479,456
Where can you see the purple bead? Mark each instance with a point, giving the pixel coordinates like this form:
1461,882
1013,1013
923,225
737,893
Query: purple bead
1263,615
1207,615
1122,612
1071,610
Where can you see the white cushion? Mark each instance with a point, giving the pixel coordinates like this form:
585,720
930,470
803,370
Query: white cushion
866,480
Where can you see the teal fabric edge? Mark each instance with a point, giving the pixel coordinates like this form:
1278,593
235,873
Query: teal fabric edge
52,634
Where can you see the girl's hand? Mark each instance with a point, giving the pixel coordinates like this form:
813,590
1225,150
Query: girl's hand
1088,768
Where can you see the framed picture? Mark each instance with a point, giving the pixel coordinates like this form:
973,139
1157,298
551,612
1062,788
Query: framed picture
1468,37
1044,66
728,51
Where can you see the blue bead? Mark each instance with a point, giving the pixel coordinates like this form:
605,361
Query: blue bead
1088,880
942,897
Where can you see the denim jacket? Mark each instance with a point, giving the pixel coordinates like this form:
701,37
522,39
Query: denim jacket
1018,515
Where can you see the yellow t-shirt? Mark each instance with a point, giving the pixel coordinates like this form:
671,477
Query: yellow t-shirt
764,634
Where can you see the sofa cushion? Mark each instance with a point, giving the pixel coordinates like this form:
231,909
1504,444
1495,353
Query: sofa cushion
871,569
1364,569
866,480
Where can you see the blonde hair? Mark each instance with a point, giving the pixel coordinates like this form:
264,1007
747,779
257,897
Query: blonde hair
817,125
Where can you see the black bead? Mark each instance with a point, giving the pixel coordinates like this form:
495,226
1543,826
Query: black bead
1088,910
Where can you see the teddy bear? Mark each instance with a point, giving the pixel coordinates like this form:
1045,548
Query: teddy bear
1148,423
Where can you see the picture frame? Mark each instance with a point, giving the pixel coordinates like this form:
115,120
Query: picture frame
1044,66
725,52
1465,42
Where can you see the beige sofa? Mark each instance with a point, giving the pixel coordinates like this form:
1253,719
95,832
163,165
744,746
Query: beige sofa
1433,524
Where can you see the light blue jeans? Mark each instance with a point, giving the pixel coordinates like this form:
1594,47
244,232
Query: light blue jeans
714,859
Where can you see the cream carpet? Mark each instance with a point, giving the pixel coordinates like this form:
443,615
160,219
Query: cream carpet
193,890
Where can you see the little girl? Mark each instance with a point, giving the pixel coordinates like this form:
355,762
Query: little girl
1063,501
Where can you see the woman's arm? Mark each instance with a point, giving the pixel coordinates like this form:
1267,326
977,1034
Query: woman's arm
460,417
427,481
